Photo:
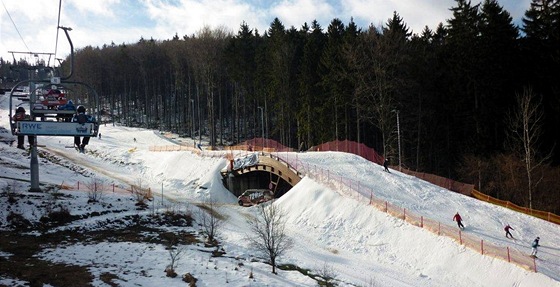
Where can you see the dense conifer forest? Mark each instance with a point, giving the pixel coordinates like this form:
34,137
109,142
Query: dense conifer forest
477,98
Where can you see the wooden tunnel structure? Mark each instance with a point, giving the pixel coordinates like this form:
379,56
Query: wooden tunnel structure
267,173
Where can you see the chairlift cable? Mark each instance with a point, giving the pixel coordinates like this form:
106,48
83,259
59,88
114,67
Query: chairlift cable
15,26
57,28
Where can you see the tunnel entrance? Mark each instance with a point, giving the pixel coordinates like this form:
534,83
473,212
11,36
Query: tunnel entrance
263,172
256,180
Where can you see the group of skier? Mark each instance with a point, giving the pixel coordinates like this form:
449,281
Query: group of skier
80,117
457,217
507,228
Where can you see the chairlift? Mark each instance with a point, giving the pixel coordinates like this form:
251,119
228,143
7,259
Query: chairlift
49,112
47,121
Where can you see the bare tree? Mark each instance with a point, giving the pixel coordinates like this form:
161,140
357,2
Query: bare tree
328,274
210,219
141,194
268,233
525,130
175,253
95,190
10,190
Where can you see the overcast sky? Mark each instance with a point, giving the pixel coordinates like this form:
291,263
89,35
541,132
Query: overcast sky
101,22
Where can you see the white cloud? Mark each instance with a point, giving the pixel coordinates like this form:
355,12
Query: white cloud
187,16
416,14
104,21
297,12
97,7
29,10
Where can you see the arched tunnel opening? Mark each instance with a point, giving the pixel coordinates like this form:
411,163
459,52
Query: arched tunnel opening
239,183
256,171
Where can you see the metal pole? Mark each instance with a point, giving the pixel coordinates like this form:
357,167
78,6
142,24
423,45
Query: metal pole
399,139
199,119
192,126
34,168
34,164
262,125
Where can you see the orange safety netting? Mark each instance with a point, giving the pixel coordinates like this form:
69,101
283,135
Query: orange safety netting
354,189
548,216
350,147
107,188
261,144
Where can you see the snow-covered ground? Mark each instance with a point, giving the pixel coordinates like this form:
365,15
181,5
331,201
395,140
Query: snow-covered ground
334,232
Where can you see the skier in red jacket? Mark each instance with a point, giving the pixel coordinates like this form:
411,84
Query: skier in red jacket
458,218
507,229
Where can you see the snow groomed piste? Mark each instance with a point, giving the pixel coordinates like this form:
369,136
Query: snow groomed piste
349,187
353,189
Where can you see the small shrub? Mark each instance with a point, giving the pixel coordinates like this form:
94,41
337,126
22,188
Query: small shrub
17,221
11,198
141,194
218,252
175,253
327,273
190,279
95,190
170,272
178,219
60,215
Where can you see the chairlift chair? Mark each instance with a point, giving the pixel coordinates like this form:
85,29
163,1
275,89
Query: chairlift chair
49,111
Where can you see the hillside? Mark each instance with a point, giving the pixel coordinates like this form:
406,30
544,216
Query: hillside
113,243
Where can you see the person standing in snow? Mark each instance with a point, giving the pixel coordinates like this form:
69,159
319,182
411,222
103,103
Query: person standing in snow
459,220
386,164
507,229
534,246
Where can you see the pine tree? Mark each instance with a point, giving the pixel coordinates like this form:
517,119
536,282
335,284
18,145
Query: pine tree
310,118
541,25
331,72
497,74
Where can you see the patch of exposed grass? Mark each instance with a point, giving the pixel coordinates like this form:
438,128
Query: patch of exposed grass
107,278
24,265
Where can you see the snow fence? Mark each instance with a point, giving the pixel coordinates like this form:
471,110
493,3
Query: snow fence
545,215
354,189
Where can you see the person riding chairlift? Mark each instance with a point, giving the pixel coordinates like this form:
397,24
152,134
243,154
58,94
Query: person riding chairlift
82,118
21,116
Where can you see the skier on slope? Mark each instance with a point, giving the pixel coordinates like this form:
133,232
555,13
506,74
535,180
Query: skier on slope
507,229
534,246
459,220
386,165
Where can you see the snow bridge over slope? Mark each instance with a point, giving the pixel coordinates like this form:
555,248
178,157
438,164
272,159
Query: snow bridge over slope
249,170
259,171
